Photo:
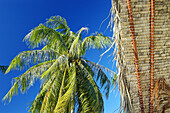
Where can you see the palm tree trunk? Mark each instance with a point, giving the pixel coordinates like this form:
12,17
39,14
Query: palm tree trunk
132,29
152,54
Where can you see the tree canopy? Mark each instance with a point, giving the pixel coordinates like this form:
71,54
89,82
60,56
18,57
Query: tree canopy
68,79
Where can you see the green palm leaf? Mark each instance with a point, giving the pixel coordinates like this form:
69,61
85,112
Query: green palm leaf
98,41
27,79
52,85
64,99
101,76
58,23
96,106
25,58
43,35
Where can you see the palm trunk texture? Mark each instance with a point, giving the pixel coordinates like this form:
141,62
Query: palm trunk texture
142,44
152,54
132,30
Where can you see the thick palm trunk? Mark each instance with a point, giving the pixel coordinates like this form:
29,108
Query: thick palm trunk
132,29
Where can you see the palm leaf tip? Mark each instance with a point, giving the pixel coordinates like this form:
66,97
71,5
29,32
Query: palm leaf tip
11,92
27,58
114,79
58,23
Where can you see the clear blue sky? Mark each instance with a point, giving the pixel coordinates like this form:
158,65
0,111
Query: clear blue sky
18,17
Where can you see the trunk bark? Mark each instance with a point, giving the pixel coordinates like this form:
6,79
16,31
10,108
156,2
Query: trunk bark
132,30
152,53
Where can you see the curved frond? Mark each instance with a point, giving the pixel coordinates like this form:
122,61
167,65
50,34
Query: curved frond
25,58
97,97
101,76
44,35
98,66
27,79
75,48
63,101
58,23
35,105
87,97
48,87
98,41
60,61
48,95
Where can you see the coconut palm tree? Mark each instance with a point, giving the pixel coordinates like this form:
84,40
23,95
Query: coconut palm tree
69,81
142,57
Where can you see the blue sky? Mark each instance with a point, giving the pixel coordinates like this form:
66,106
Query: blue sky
18,17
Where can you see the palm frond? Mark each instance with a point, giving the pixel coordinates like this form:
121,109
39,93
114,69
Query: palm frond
58,23
35,106
43,35
75,48
97,103
98,41
86,95
60,61
25,58
63,101
27,79
48,87
98,66
52,86
101,76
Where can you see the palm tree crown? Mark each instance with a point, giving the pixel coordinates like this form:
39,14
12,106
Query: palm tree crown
68,79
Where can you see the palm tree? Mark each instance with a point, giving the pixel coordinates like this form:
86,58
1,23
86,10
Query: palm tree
142,57
69,81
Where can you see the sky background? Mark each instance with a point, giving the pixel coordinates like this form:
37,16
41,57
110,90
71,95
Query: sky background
18,17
